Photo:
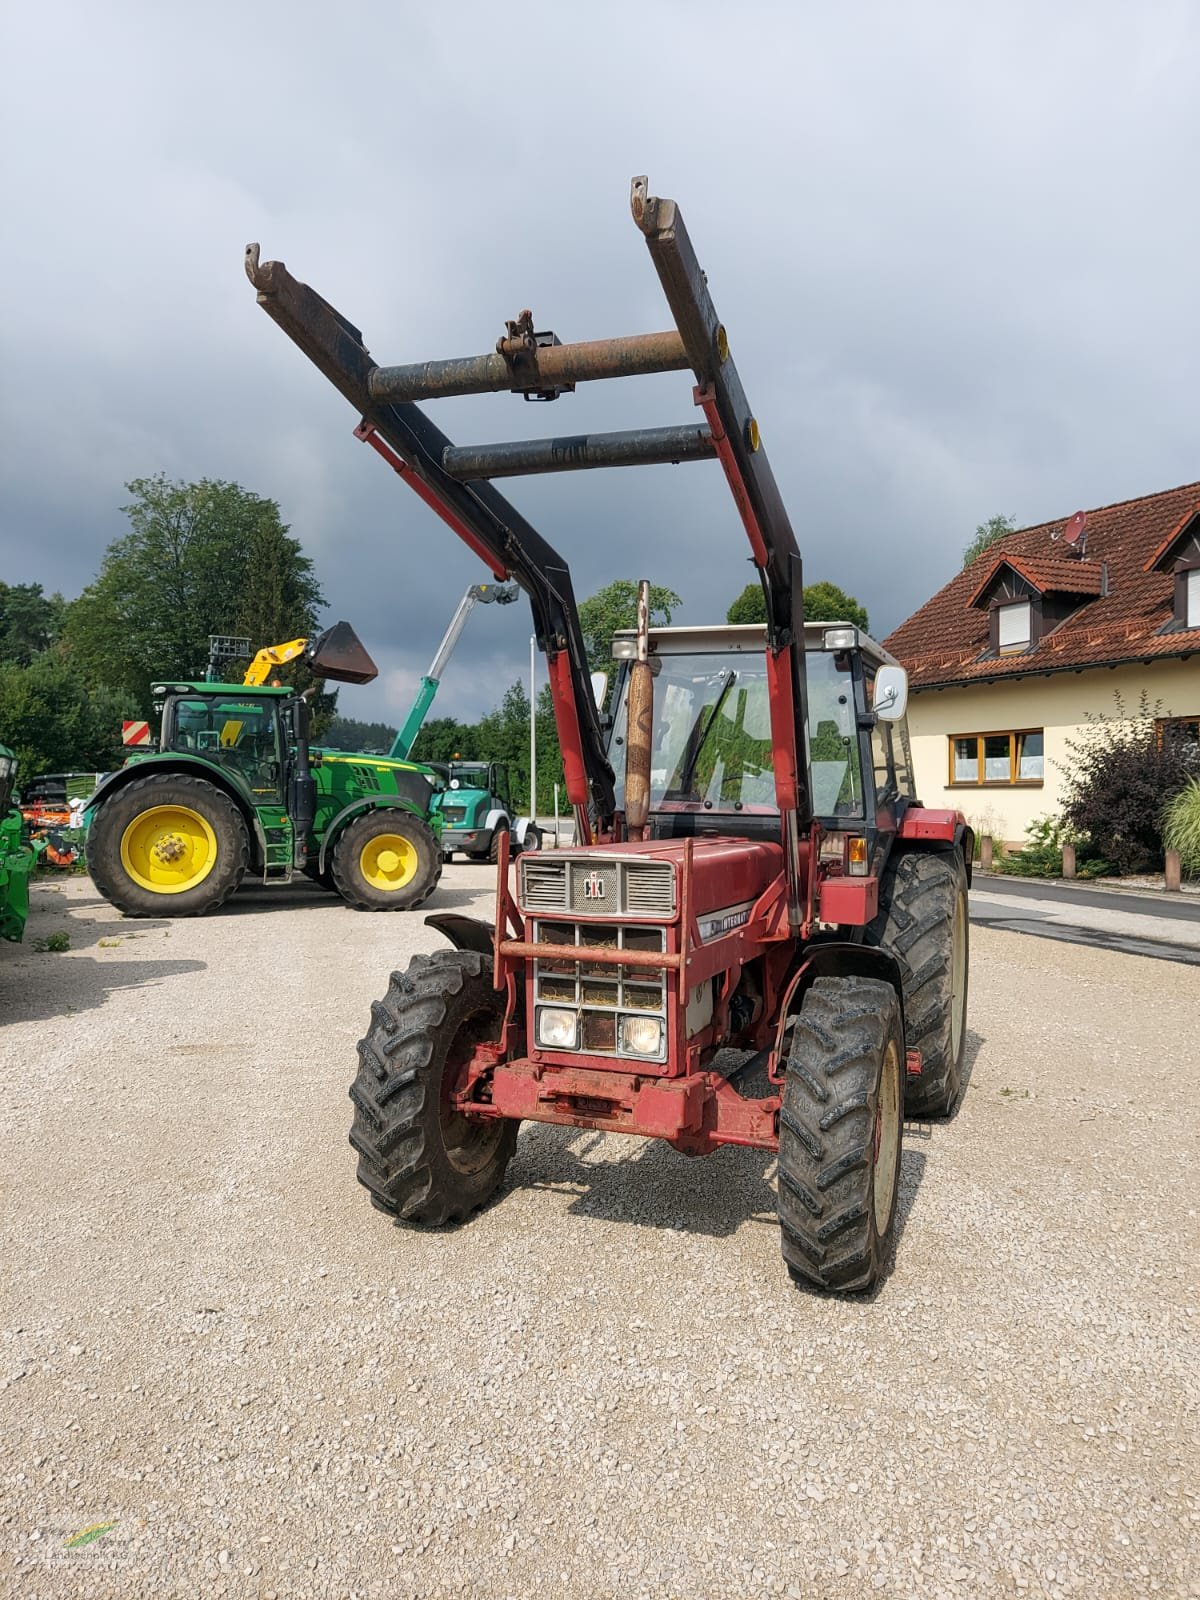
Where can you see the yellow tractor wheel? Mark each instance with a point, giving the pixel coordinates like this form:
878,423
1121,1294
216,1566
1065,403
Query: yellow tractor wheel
386,860
169,844
169,849
389,861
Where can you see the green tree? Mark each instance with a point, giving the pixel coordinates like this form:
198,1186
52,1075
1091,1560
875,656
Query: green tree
823,602
986,534
447,739
58,721
29,621
200,558
615,607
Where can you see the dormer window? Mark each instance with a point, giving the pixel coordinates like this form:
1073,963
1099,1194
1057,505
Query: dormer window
1013,627
1179,554
1026,598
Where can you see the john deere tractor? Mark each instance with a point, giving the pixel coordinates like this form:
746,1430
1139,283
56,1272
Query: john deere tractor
232,789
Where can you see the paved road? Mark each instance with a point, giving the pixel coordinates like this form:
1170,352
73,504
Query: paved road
1146,925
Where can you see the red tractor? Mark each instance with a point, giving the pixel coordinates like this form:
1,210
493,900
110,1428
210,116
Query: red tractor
760,936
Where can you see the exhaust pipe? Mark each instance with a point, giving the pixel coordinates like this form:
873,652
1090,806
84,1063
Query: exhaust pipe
640,725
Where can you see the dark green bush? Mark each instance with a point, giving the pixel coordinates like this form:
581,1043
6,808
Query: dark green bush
1120,777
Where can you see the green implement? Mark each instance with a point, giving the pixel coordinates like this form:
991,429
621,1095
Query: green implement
17,858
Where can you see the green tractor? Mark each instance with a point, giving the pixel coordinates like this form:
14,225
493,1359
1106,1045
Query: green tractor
17,857
233,789
476,808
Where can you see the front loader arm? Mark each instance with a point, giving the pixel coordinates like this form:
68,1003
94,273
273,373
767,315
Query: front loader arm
481,517
273,655
454,481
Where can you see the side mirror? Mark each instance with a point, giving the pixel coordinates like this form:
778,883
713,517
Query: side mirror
599,687
891,694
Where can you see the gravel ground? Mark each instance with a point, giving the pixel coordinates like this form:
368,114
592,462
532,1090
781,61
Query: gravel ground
605,1385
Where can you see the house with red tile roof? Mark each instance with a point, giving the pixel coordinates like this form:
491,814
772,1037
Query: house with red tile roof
1049,626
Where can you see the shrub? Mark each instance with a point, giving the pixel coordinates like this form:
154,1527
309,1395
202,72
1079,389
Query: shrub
1041,857
1181,827
1119,779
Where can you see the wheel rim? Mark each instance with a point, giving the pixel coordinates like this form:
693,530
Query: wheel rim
389,862
958,975
469,1142
887,1143
168,849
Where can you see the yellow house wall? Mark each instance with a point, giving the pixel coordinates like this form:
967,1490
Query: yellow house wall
1058,704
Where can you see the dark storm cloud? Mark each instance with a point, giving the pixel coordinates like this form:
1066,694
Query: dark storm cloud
952,246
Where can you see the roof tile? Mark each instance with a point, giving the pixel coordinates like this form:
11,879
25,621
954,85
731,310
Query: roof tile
941,643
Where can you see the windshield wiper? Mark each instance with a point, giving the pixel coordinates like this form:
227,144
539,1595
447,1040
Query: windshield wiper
689,766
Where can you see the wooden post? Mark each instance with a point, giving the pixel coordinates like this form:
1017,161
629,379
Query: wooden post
985,853
1172,873
1068,861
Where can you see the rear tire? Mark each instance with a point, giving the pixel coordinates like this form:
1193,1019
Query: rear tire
386,860
419,1159
840,1133
173,830
923,921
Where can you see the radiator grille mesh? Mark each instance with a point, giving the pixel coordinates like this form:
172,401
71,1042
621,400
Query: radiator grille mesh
600,887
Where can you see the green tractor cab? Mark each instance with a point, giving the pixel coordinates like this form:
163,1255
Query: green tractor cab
233,790
476,809
17,857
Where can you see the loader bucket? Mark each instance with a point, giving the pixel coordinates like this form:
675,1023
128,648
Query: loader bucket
339,653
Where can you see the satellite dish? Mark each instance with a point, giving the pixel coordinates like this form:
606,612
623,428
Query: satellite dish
1074,533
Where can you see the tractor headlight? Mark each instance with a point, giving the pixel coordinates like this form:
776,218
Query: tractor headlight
641,1036
557,1028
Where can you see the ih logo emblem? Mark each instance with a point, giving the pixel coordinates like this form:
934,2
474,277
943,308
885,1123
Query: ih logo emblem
593,887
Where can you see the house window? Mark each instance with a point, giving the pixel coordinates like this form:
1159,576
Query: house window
1191,598
1179,733
1012,628
997,758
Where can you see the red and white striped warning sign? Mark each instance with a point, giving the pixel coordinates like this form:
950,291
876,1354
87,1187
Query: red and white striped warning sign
135,733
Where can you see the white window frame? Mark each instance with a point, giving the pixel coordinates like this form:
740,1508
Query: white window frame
1191,598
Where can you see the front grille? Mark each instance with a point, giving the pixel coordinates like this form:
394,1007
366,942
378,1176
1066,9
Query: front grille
599,992
599,886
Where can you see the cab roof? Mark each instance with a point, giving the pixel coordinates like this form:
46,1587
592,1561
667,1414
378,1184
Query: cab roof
242,690
752,636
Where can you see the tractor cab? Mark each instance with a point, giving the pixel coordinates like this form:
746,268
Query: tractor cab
486,777
245,731
712,762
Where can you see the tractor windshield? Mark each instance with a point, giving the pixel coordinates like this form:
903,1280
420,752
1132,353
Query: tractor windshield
468,775
239,734
712,735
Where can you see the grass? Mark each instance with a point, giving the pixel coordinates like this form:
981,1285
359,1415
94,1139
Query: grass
1181,827
53,944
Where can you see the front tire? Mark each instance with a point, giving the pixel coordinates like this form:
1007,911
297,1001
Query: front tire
169,844
386,860
840,1133
923,920
420,1159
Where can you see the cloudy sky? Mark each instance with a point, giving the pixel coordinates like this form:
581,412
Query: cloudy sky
953,246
